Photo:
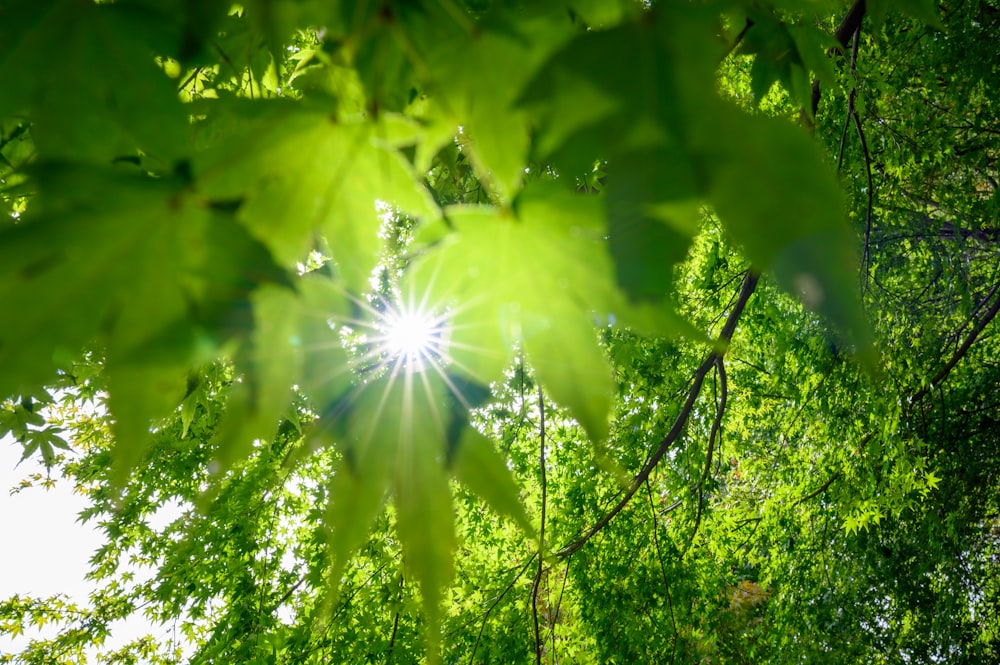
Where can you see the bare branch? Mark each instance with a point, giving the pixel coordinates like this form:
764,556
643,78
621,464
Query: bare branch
846,30
720,409
815,493
738,40
663,572
395,624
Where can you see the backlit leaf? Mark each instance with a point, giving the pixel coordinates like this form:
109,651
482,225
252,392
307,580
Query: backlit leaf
538,279
299,172
158,276
788,216
480,468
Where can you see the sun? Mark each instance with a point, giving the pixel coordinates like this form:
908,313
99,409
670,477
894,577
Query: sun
412,336
409,334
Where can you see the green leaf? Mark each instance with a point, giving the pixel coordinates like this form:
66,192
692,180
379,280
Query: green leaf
481,71
295,341
30,447
602,13
188,409
298,172
653,211
138,396
138,264
541,279
96,61
778,199
50,435
47,441
327,371
923,10
425,522
484,471
589,107
271,365
393,430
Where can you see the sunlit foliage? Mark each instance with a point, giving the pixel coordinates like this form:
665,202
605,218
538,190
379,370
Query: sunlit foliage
489,332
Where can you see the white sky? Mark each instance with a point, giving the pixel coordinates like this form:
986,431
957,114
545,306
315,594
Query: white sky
44,550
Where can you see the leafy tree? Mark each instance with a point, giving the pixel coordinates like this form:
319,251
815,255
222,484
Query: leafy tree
704,368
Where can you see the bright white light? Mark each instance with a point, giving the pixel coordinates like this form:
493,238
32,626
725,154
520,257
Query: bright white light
412,336
409,334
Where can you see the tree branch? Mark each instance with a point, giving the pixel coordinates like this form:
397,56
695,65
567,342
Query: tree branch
496,601
746,290
962,350
815,493
663,572
395,624
852,112
720,409
738,40
541,534
843,34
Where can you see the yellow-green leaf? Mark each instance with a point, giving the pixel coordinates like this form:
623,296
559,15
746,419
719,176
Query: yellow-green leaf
484,471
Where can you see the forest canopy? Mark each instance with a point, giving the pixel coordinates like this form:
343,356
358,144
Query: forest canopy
465,331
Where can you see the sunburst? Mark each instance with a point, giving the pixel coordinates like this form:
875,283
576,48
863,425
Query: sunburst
412,336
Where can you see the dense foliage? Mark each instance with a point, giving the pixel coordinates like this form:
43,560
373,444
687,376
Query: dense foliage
708,373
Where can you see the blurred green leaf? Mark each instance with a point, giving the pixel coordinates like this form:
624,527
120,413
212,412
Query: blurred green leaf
480,468
298,172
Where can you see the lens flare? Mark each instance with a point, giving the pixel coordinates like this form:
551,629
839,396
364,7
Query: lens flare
411,337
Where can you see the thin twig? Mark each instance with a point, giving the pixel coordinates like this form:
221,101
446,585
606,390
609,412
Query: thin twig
716,425
192,76
844,32
663,572
960,351
815,493
555,612
843,133
395,624
541,532
496,601
870,193
738,40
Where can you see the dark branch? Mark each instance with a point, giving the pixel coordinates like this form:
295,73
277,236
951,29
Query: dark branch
496,601
746,290
663,572
395,624
541,534
815,493
962,350
846,30
720,409
852,112
739,39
